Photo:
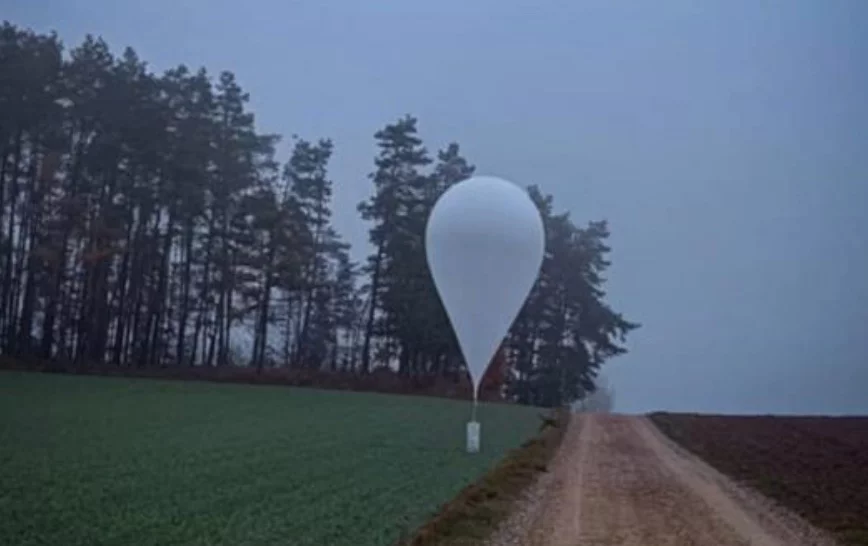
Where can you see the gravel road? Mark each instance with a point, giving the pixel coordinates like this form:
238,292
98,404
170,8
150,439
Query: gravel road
618,481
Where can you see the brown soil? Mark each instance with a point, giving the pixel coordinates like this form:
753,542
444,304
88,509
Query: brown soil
815,466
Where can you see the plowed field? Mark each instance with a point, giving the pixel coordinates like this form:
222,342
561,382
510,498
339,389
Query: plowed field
815,466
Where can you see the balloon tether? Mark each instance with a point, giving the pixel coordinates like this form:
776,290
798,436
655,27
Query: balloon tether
473,427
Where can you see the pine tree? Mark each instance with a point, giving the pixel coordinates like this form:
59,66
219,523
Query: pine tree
565,332
398,184
30,118
439,340
307,175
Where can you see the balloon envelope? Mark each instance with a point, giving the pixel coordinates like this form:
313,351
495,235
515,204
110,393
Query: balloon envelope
484,242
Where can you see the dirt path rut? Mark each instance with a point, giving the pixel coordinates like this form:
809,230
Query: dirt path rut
618,481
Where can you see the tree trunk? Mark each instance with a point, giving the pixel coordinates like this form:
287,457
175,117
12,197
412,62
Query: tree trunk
8,282
369,326
185,292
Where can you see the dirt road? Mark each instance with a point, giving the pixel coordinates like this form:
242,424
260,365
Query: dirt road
618,481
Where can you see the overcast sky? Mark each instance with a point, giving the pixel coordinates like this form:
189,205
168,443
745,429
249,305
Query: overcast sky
726,142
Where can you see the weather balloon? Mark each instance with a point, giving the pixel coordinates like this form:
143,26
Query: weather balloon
484,243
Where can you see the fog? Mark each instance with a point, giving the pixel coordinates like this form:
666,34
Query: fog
724,141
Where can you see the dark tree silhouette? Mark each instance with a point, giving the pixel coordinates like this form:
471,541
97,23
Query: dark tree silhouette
146,223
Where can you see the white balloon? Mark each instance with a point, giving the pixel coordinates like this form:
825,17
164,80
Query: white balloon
484,243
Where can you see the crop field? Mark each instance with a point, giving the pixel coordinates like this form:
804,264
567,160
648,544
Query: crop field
99,461
816,466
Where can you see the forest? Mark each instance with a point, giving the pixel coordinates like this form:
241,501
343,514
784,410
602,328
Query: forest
145,223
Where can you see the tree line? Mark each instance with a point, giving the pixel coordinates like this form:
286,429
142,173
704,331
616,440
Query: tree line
146,223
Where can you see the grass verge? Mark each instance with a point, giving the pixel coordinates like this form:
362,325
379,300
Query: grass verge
471,517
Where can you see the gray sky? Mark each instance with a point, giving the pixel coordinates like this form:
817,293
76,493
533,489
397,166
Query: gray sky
726,142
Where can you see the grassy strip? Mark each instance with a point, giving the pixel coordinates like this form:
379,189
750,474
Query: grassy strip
380,380
479,508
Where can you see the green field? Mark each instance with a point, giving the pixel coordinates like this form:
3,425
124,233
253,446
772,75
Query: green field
97,461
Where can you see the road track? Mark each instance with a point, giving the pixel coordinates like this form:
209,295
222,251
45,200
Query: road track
617,481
